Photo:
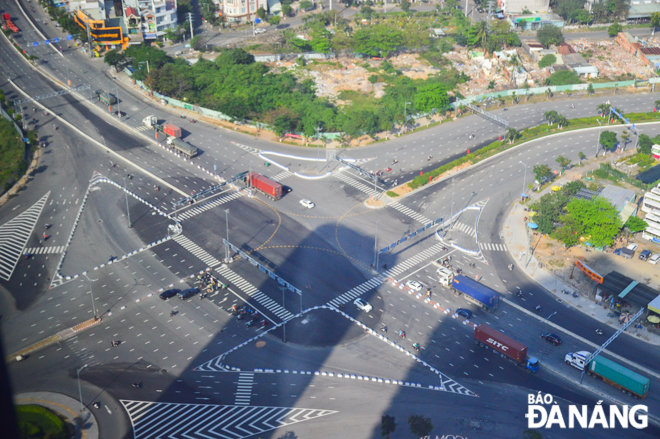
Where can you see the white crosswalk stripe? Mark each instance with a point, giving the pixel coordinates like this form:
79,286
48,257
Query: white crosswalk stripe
409,212
464,228
492,247
244,389
394,271
143,128
14,234
356,184
43,250
281,176
196,250
209,421
85,356
207,206
253,292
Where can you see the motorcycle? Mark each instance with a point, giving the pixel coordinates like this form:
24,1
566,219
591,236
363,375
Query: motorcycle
511,267
599,331
388,169
250,323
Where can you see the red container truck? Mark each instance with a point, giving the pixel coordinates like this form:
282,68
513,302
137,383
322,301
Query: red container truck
172,130
489,338
265,185
6,19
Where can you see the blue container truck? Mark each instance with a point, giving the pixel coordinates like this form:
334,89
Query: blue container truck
476,293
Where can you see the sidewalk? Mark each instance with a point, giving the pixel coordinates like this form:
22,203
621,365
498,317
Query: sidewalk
67,407
519,238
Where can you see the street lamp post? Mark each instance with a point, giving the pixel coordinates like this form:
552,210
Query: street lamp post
318,151
227,224
600,126
405,115
376,249
128,212
284,322
82,407
91,292
117,97
522,194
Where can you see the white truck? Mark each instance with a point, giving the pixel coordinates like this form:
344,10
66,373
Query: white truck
150,121
445,276
577,359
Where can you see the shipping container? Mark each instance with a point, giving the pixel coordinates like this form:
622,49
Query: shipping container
620,377
172,130
476,293
108,99
485,336
270,188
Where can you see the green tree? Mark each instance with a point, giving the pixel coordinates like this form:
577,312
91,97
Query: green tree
261,13
547,60
549,35
387,426
563,77
405,5
367,12
491,85
645,144
542,172
431,96
614,29
551,116
590,89
635,224
274,20
604,108
512,135
377,40
419,425
596,220
608,140
655,21
563,162
114,57
581,156
286,9
282,124
562,122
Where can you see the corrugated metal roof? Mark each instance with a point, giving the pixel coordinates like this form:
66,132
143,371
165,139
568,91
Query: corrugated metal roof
618,196
643,10
614,283
585,194
650,50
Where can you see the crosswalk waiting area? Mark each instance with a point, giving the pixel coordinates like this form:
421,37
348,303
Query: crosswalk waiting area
254,293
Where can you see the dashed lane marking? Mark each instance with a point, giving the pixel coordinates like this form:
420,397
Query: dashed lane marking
14,234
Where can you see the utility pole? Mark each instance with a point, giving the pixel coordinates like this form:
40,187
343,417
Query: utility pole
284,321
128,212
89,37
117,97
91,293
451,216
190,20
600,126
522,194
318,157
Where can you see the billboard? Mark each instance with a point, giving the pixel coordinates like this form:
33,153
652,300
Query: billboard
97,30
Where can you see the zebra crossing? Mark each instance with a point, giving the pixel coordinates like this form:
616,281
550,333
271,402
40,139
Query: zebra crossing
244,390
85,356
14,234
409,212
356,184
492,247
392,272
44,250
209,421
196,250
282,175
144,128
254,293
207,206
464,228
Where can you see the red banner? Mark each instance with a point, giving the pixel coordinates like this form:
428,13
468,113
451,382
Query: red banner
588,271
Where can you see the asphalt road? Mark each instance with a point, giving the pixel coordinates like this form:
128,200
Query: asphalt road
326,252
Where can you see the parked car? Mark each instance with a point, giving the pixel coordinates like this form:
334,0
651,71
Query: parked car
654,259
632,247
307,203
617,252
645,255
414,285
188,293
362,305
169,293
259,31
464,312
551,338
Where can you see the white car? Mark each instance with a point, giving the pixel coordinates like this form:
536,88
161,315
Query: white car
307,203
654,259
362,305
259,31
414,285
632,247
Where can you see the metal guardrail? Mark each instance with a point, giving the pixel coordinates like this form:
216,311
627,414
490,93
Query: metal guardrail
489,116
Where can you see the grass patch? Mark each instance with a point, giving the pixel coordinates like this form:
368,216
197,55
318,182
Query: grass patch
392,194
12,149
36,422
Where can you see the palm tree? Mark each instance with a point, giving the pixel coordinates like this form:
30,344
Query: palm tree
604,108
512,135
562,121
482,32
514,98
548,93
551,116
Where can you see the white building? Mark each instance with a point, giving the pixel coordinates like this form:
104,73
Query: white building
237,11
149,19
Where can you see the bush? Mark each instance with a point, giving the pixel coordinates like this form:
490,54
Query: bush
547,60
563,77
39,422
